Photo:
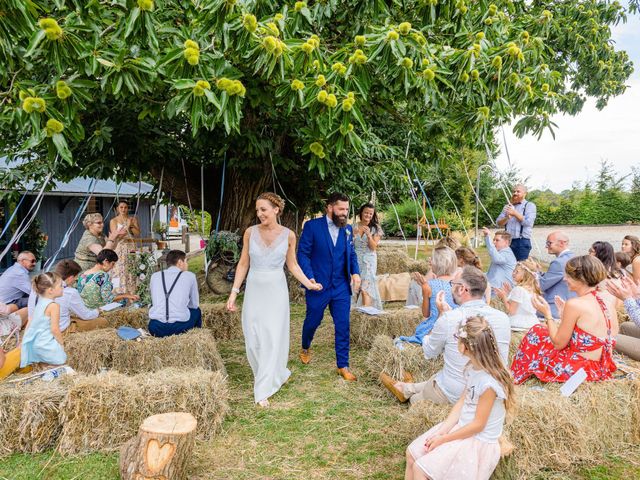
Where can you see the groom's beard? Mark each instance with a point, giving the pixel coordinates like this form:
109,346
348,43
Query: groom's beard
339,221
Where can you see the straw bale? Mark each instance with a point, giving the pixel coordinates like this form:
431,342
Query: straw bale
551,432
392,261
385,357
364,327
134,317
101,412
29,415
90,352
224,325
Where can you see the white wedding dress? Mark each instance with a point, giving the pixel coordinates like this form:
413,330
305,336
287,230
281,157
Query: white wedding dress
265,314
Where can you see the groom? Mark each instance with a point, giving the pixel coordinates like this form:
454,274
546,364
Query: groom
326,255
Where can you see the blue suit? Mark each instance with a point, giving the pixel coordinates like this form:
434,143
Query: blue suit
332,266
552,282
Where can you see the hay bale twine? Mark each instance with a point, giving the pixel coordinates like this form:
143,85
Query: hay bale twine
29,415
401,321
552,432
91,352
101,412
224,325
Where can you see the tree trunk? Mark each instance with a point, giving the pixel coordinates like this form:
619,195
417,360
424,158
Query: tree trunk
161,450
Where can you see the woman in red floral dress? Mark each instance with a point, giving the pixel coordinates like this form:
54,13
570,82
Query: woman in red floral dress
585,336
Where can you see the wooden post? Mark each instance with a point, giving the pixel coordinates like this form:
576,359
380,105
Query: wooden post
162,448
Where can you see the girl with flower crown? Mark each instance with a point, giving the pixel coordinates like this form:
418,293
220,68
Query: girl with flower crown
518,300
466,444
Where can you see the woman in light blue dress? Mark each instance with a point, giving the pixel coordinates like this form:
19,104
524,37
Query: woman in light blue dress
366,237
42,341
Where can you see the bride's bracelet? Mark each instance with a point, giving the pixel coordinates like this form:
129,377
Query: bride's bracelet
235,290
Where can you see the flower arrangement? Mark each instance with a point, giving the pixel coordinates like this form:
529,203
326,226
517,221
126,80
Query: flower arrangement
160,228
140,266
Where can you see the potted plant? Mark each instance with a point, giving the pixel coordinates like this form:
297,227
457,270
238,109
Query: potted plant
160,230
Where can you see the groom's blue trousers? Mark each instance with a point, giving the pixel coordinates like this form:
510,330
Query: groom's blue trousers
339,301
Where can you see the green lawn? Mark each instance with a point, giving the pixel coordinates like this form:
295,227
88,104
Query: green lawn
319,427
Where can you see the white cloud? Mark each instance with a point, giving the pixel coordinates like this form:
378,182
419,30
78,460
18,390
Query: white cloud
582,142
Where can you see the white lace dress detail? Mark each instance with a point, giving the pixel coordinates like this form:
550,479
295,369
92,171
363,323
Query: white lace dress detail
265,314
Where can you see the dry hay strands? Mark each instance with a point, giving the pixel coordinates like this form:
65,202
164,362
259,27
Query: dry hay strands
134,317
29,415
224,325
90,352
364,328
552,433
385,357
195,348
101,412
393,261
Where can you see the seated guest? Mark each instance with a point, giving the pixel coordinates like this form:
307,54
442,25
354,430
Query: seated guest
15,284
623,260
10,319
631,246
93,240
448,241
70,302
518,300
447,385
503,261
174,298
627,291
468,256
552,282
584,338
95,285
604,252
443,265
42,341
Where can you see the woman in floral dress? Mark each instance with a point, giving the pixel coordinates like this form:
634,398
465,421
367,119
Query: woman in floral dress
94,285
123,222
585,336
366,237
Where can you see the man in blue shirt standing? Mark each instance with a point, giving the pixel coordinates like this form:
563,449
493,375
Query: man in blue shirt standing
503,262
517,218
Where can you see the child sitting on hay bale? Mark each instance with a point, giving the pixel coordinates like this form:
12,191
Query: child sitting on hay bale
70,302
174,298
466,444
443,265
518,300
42,342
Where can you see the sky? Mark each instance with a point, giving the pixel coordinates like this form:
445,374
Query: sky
583,141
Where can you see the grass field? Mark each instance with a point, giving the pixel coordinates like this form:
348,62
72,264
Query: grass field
319,427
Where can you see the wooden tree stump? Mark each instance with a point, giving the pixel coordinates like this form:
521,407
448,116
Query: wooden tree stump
162,448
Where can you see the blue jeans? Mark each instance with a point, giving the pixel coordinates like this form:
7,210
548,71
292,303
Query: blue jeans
162,329
521,248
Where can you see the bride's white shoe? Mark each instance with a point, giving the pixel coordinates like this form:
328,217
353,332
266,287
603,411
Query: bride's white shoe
263,403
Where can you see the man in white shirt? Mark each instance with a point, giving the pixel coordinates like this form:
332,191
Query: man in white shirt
15,284
70,302
174,298
447,385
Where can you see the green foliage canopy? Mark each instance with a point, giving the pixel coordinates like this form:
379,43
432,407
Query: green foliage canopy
127,85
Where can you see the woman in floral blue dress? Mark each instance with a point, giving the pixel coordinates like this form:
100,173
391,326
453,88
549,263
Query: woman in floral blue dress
366,237
95,285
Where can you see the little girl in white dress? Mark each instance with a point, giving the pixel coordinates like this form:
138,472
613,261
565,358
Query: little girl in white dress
465,445
517,300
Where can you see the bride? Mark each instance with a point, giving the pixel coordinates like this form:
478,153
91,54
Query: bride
265,310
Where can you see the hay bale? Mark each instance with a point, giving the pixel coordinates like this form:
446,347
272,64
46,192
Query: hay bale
101,412
134,317
29,415
224,325
392,261
91,352
551,432
385,357
364,328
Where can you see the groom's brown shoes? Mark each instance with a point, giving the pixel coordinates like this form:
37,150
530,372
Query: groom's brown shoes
347,375
305,355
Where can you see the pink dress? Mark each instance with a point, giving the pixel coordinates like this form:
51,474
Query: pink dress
474,457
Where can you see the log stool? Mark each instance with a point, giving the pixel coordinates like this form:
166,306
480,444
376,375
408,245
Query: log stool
162,448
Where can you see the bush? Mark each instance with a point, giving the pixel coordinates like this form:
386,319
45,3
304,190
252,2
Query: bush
409,212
